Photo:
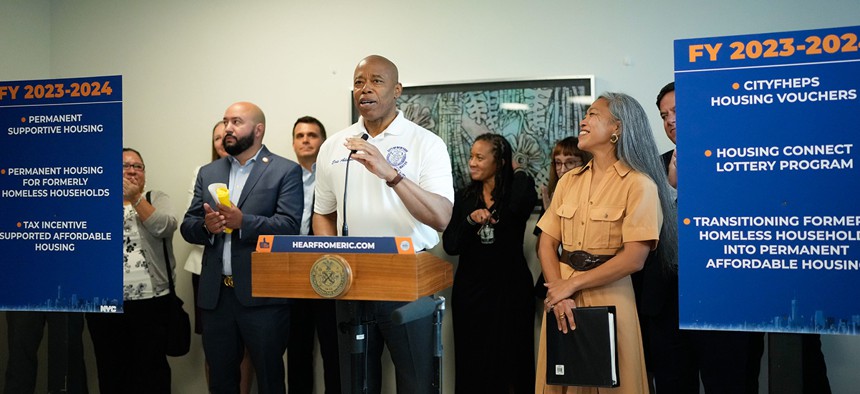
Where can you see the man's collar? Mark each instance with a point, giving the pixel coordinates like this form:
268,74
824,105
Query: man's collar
392,128
305,169
311,171
251,160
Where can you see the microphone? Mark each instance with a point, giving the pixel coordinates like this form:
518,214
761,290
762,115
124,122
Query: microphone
344,231
364,137
420,308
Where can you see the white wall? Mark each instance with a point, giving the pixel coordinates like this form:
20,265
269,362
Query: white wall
25,49
25,39
184,62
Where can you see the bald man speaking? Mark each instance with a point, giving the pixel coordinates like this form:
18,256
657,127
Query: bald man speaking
402,187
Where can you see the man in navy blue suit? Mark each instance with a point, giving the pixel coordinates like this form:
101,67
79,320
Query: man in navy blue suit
266,197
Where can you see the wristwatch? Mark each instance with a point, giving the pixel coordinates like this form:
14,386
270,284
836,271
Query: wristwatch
396,180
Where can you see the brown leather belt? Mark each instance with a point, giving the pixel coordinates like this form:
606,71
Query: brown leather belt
581,260
227,280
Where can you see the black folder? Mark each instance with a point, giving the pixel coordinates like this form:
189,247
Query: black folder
586,356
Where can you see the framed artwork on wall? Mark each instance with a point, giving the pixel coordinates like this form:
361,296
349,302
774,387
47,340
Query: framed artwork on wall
531,114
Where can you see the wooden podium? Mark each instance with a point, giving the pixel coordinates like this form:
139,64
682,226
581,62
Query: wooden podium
295,266
375,276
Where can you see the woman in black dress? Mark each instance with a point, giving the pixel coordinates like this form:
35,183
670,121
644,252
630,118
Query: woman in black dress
492,304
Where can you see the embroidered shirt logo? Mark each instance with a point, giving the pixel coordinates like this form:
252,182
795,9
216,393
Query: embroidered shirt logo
397,157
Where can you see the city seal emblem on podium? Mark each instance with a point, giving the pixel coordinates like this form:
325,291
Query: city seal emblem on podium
331,276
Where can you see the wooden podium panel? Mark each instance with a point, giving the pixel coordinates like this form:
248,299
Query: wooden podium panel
375,277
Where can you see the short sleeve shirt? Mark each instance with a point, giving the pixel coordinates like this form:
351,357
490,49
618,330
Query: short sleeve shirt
373,208
599,219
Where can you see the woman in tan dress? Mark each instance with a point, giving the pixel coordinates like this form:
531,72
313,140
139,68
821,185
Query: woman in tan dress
611,208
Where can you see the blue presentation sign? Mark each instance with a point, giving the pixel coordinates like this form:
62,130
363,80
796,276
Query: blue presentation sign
61,194
769,219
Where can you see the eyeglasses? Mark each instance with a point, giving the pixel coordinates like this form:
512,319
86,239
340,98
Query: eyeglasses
568,165
136,166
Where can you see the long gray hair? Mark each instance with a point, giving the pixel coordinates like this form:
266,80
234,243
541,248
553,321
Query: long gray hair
636,148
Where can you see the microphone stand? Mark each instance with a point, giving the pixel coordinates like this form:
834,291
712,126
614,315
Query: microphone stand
344,231
358,351
437,342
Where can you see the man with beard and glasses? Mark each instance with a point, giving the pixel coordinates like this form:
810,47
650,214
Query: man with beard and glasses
266,197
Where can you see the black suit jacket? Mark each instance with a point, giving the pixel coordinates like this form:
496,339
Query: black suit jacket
271,204
656,290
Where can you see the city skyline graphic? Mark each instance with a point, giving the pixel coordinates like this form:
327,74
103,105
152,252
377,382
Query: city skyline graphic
71,304
793,321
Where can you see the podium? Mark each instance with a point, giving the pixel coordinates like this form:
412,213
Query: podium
354,269
375,276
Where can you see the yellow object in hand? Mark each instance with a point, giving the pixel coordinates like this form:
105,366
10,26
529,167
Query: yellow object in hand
224,199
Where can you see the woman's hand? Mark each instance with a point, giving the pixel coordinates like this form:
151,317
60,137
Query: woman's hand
559,301
131,190
482,216
563,312
559,290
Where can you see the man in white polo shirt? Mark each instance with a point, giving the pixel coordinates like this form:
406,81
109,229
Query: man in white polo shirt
401,186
